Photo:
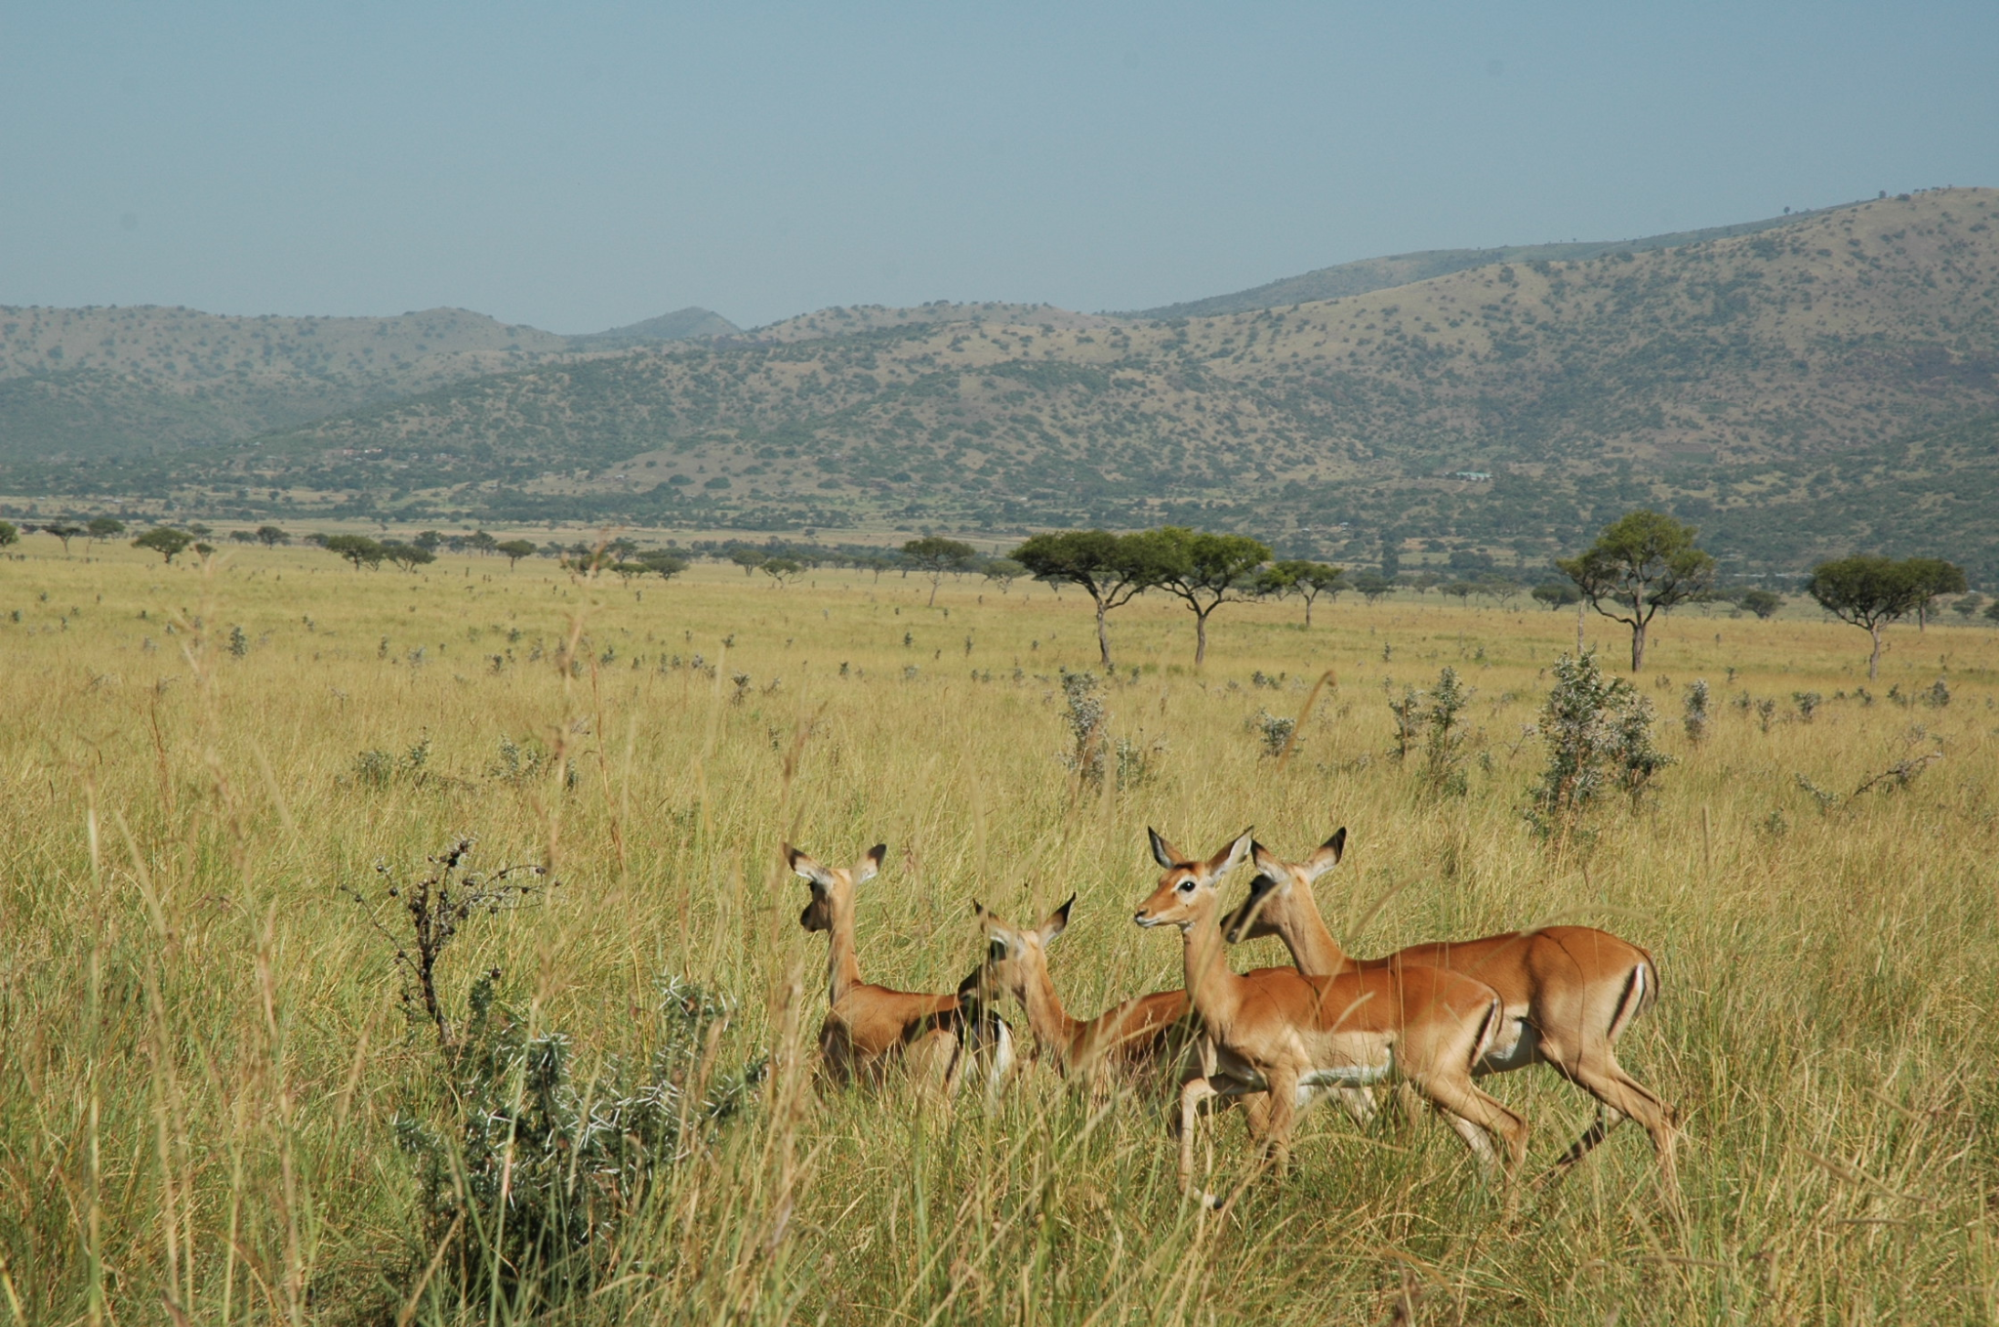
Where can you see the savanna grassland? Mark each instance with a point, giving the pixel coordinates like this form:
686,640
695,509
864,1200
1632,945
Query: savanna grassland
206,1055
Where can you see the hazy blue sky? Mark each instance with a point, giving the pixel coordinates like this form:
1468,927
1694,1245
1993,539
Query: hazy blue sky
581,166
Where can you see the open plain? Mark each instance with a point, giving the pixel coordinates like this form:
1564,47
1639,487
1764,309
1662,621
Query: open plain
210,1082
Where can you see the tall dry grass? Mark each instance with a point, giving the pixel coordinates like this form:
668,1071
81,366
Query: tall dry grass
205,1051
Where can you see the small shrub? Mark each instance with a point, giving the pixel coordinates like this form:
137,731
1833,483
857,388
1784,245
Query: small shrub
1938,695
1599,736
1408,714
1807,703
239,641
1443,757
1695,717
1275,730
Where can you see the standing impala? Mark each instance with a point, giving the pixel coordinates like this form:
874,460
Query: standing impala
869,1029
1295,1036
1568,991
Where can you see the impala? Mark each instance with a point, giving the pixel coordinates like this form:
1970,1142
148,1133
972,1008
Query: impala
1568,992
1295,1036
869,1029
1146,1034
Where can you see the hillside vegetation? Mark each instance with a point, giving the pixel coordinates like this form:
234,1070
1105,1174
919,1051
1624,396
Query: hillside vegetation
1842,369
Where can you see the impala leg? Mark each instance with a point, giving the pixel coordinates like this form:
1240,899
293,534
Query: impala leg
1192,1094
1597,1072
1283,1099
1461,1099
1359,1102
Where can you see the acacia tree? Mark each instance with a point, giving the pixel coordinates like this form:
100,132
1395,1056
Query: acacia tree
1642,562
780,570
64,531
1002,572
409,557
165,541
1868,591
101,528
515,550
1933,578
9,534
667,565
357,549
1303,578
1110,569
936,555
1205,571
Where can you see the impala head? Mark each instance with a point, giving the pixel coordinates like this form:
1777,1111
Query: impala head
1278,883
1018,956
832,888
1187,889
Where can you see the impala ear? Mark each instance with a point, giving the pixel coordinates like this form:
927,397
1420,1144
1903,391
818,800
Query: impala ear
1266,861
803,864
1231,857
1163,853
865,869
1238,924
1058,922
1326,856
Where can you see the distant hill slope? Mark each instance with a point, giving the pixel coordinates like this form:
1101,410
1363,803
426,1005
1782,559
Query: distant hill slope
91,382
1826,385
687,324
855,319
1373,274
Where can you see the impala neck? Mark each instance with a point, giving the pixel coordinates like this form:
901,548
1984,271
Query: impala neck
1305,934
843,967
1211,983
1053,1028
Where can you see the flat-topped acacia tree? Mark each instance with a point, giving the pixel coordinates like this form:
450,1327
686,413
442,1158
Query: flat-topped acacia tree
1305,579
934,555
1868,591
1110,569
1205,571
1642,562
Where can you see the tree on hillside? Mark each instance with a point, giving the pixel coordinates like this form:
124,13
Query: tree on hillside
272,536
64,531
1642,562
1933,578
748,559
481,542
165,541
102,528
1205,571
780,570
1110,569
428,539
936,555
1868,591
357,549
1303,578
515,550
409,557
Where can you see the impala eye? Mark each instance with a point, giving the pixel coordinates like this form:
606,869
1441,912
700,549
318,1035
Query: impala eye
1187,886
998,951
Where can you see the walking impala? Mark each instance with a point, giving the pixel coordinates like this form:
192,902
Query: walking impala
1568,992
1296,1036
869,1029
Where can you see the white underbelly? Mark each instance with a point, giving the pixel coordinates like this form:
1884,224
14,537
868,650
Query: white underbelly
1515,1047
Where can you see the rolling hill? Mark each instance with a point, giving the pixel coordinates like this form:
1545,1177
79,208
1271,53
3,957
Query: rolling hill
1373,274
1801,389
